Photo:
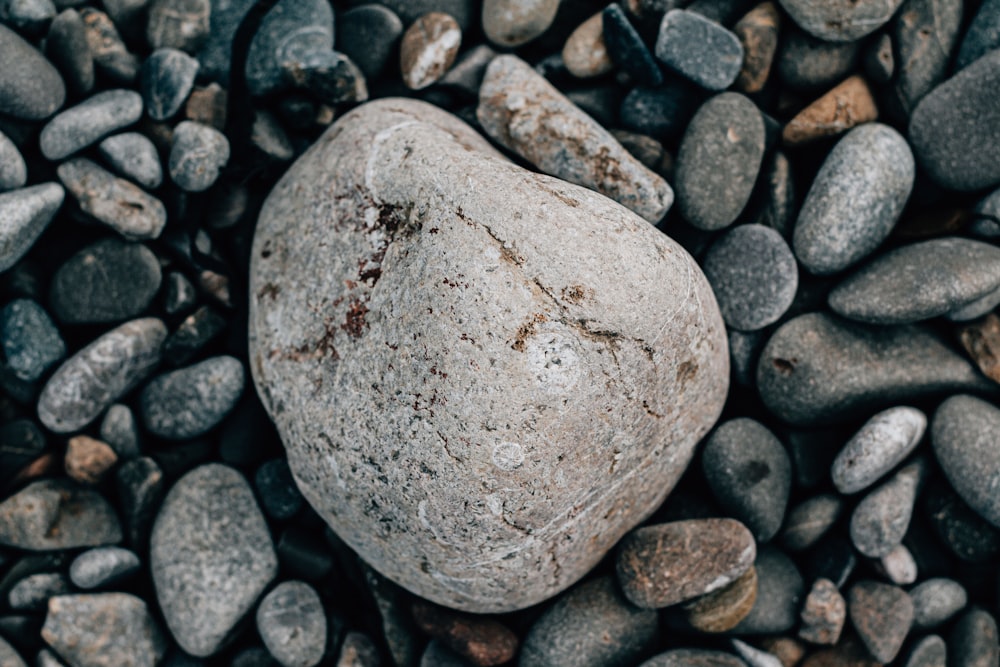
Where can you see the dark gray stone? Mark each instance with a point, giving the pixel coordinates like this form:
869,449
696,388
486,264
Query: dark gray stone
135,157
808,521
960,528
112,58
807,63
21,442
699,49
840,20
881,519
32,592
119,204
982,35
140,487
191,401
88,122
224,18
13,170
178,24
973,641
778,206
24,215
964,447
96,376
67,47
56,514
754,657
103,566
292,29
882,443
929,651
662,112
211,557
626,49
196,331
464,12
33,90
924,34
180,293
197,156
744,348
369,35
119,430
276,488
329,76
780,591
292,623
935,601
881,615
31,342
437,654
166,80
28,16
507,23
879,60
8,656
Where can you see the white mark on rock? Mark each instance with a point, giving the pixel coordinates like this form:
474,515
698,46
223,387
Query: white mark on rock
717,583
335,467
555,360
507,456
495,503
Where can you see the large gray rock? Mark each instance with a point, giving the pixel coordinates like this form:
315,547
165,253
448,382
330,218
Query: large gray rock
480,408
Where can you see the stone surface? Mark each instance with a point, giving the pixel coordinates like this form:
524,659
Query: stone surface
32,592
960,528
88,460
31,17
846,105
780,590
960,435
118,429
879,446
691,657
214,54
810,64
31,342
9,656
24,215
96,376
139,483
484,642
197,155
982,35
135,157
292,623
585,55
331,77
292,29
178,24
119,204
368,35
699,49
102,630
935,601
973,641
981,340
929,651
13,170
211,556
279,497
33,90
823,614
112,59
358,650
723,609
56,514
103,566
510,23
662,112
555,136
627,49
840,20
196,331
758,35
86,123
855,199
881,615
191,401
428,49
880,520
808,521
924,34
166,80
754,657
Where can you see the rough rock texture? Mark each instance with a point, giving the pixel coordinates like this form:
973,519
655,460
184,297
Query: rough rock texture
374,314
33,90
56,514
840,20
103,630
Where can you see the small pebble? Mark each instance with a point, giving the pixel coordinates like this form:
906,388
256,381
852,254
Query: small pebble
626,49
133,156
662,112
880,520
166,80
961,436
32,592
291,29
810,64
482,641
780,591
779,204
358,650
118,429
33,90
9,656
509,23
924,33
178,24
929,651
974,641
279,496
647,150
103,630
103,566
119,204
179,295
810,520
24,215
692,657
699,49
191,401
585,54
13,170
935,601
292,623
31,342
982,35
85,124
88,460
111,57
848,104
140,487
840,20
53,514
197,156
823,614
758,35
881,615
898,566
879,446
369,34
214,54
722,610
428,49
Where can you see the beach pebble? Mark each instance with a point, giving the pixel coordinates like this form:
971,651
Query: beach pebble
31,342
929,651
292,623
178,24
28,16
823,614
329,76
32,592
758,35
192,335
224,17
935,601
585,55
974,641
960,435
924,34
780,591
428,49
119,204
626,48
840,20
191,401
881,614
881,519
86,123
197,155
118,429
898,566
509,23
878,447
24,215
846,105
13,170
290,30
53,514
808,521
960,528
33,90
982,35
140,487
279,497
810,64
722,610
103,630
112,59
103,566
133,156
981,340
88,460
368,34
166,80
699,49
662,112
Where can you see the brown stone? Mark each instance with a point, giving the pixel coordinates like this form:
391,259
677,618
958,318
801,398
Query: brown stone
788,650
428,49
482,640
584,53
981,339
207,105
823,614
849,653
758,33
882,615
848,104
88,460
725,608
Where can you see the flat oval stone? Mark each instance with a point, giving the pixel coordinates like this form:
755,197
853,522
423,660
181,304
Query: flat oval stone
510,23
292,623
197,155
882,615
881,519
88,460
881,444
290,30
13,170
103,566
585,54
363,210
191,401
211,557
54,514
103,629
699,49
87,122
24,215
166,80
428,49
718,161
961,434
96,376
119,204
855,199
817,369
33,90
135,157
31,342
66,44
936,600
840,20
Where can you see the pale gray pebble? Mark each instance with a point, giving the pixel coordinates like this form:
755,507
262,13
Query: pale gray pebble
780,591
133,156
292,29
718,161
197,155
31,342
211,556
178,24
935,601
8,656
855,199
103,630
292,623
13,170
119,204
509,23
807,63
32,592
166,80
99,374
982,35
119,429
66,45
33,90
840,20
88,122
28,16
358,650
878,447
191,401
808,521
46,658
881,519
180,293
961,434
694,657
139,483
368,35
974,640
898,566
882,615
754,657
53,514
699,49
592,624
437,654
24,215
103,566
924,35
929,651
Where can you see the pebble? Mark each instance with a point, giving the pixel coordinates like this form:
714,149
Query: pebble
292,29
103,630
53,514
329,76
929,651
585,54
664,564
881,615
118,429
428,49
662,112
192,335
140,487
981,36
224,18
898,566
855,199
24,215
292,623
197,155
178,24
957,154
482,641
626,49
191,401
879,446
935,601
119,204
758,35
753,274
718,161
924,33
960,528
279,497
538,131
179,295
85,124
510,23
823,614
690,657
211,557
973,641
810,520
13,170
32,592
21,442
88,460
96,376
166,80
879,61
368,35
981,340
699,49
848,104
133,156
807,63
590,625
780,591
840,20
722,610
755,657
9,656
881,519
976,308
647,150
103,566
358,650
33,90
31,17
960,437
31,342
438,655
111,57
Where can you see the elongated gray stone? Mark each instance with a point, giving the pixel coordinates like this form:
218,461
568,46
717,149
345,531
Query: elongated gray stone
32,90
963,436
292,623
13,170
24,215
133,156
54,514
119,204
935,601
388,307
880,520
881,444
925,33
88,122
188,402
699,49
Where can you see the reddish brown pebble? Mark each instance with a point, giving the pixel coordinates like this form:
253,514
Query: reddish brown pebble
850,653
428,49
882,615
88,460
981,339
823,614
758,33
725,608
207,106
848,104
788,650
482,640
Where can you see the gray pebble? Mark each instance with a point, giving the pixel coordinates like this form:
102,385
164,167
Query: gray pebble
133,156
119,430
693,657
66,45
33,90
780,591
24,215
437,654
961,434
882,615
103,566
329,76
196,331
975,309
855,199
31,342
13,170
166,80
929,651
119,204
180,293
85,124
662,112
974,640
840,20
224,18
112,58
744,348
32,592
898,566
197,156
56,514
191,401
808,521
699,49
178,24
924,33
811,64
358,650
290,30
8,656
878,447
139,483
509,23
96,376
279,496
935,601
823,613
292,623
428,49
982,35
881,519
368,35
211,557
28,16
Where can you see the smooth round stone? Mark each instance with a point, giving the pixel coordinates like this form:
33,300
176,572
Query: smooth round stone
197,155
96,376
13,170
808,521
925,34
753,274
28,16
24,215
590,625
662,112
723,609
178,24
627,49
898,566
840,20
699,49
368,35
855,199
109,281
510,23
585,55
929,651
54,514
749,473
881,615
428,49
166,80
823,614
290,30
135,157
119,204
881,519
9,656
808,63
32,592
103,566
664,564
955,153
276,488
191,401
86,123
935,601
31,342
718,161
974,640
103,630
211,557
33,90
292,623
960,435
693,657
878,447
982,35
119,430
780,590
